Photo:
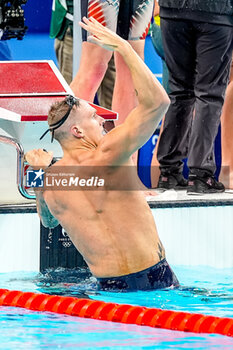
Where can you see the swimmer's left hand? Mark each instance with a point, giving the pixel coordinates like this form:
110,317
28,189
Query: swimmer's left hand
38,158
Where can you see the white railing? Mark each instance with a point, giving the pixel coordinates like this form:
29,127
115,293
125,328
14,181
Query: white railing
20,165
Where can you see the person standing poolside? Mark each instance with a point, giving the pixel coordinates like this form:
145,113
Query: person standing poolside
226,174
129,19
197,40
61,29
121,248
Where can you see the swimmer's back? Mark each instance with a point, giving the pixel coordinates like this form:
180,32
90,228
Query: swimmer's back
108,229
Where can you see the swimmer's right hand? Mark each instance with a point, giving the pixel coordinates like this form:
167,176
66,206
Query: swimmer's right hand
38,158
101,35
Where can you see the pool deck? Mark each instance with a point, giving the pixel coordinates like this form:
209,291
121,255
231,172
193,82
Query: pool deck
166,199
182,199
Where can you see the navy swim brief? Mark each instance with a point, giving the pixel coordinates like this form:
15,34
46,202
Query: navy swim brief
158,276
128,18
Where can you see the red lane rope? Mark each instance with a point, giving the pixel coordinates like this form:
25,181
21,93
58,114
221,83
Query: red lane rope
99,310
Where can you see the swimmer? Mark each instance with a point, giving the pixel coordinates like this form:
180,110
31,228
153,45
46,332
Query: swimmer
113,230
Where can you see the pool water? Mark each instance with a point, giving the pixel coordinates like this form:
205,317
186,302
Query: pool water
203,290
22,329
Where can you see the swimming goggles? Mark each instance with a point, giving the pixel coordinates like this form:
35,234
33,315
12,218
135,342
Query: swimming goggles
71,101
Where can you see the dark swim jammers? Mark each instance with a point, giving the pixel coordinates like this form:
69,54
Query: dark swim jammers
128,18
158,276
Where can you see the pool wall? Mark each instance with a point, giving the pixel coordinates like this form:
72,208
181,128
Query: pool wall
191,236
197,235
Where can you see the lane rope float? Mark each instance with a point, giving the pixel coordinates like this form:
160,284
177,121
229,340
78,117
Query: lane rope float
122,313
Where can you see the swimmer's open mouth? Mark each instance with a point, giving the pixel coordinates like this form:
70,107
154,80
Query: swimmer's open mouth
71,101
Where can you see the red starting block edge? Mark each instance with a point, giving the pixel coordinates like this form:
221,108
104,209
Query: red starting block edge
35,109
29,88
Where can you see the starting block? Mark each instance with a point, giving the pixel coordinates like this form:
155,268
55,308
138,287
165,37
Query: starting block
27,90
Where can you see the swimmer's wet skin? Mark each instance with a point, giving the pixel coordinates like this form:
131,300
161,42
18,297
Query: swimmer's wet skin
121,249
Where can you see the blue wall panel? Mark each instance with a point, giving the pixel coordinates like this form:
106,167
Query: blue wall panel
38,15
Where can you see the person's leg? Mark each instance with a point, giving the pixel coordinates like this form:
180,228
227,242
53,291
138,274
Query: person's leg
226,175
94,59
213,65
93,66
105,91
133,25
64,54
178,36
156,37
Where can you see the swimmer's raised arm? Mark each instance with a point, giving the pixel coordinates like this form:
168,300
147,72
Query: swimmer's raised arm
153,101
40,159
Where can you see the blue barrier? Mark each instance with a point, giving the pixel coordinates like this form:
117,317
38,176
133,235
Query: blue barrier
38,15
